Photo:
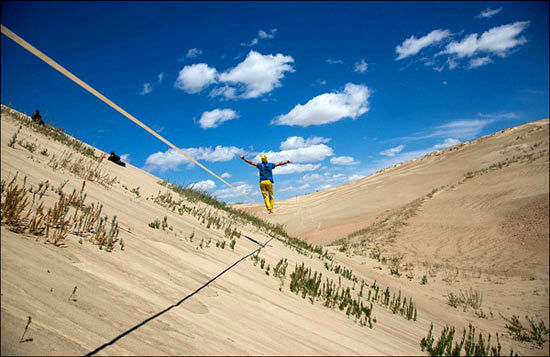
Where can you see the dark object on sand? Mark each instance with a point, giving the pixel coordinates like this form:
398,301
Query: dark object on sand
116,159
37,117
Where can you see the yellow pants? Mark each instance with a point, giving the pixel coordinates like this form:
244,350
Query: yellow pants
267,189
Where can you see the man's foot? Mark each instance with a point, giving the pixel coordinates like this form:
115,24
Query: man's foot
270,211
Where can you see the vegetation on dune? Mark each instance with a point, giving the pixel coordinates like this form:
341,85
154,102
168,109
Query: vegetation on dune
468,345
22,214
534,332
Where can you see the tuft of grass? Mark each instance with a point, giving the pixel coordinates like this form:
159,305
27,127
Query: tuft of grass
13,139
156,225
533,333
471,297
424,280
471,346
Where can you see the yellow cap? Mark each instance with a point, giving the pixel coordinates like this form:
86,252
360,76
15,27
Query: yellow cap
264,158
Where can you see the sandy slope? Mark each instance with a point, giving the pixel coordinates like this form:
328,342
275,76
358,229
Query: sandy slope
243,312
496,221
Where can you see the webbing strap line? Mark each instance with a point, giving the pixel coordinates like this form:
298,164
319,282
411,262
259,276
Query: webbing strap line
174,305
7,32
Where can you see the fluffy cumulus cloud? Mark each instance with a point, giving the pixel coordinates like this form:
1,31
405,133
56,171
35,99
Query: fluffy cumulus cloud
499,40
193,52
226,175
312,153
479,61
343,160
488,12
295,168
147,88
327,177
256,75
196,77
216,117
203,185
228,192
296,142
392,151
361,66
326,108
171,159
413,45
447,143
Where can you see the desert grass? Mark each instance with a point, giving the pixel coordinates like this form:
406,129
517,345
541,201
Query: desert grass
82,167
468,345
56,222
471,297
534,332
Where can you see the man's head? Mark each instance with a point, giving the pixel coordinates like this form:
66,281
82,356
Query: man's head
264,158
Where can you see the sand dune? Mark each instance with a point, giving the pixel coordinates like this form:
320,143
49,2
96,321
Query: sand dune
246,311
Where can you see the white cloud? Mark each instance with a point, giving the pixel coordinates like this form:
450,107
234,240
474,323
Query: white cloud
343,160
413,45
325,178
354,177
392,151
311,153
258,74
195,78
230,193
328,107
171,159
193,52
321,82
447,143
293,188
226,175
361,66
498,40
265,35
161,76
146,89
444,83
480,61
324,187
253,42
295,168
216,117
335,61
125,158
460,129
203,185
510,115
488,12
296,142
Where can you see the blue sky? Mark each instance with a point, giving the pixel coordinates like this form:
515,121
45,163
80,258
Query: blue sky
341,89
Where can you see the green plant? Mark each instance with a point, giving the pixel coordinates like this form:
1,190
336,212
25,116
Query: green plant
44,152
155,224
471,297
534,333
232,244
424,280
164,223
468,343
135,191
13,139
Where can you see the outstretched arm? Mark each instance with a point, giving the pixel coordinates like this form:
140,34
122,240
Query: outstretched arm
248,161
283,163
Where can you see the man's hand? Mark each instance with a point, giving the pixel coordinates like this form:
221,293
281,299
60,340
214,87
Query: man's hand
242,156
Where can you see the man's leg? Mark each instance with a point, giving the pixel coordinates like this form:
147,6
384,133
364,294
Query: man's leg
263,188
270,191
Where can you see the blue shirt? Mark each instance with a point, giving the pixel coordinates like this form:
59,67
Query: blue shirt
266,170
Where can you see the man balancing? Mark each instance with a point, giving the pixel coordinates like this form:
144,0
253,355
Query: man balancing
266,178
